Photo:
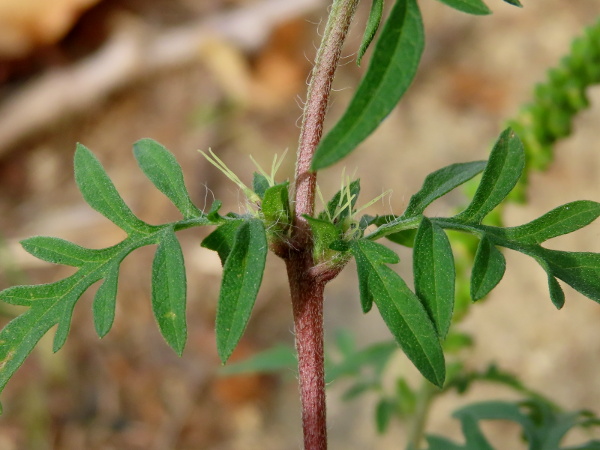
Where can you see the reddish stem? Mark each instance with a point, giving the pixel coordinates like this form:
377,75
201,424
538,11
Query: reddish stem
315,109
306,283
307,301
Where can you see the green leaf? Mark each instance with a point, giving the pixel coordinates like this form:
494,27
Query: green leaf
277,359
221,240
375,356
242,275
441,443
276,207
405,238
488,269
345,342
104,302
399,307
169,291
544,426
213,214
50,304
580,270
384,411
260,184
473,434
562,220
557,295
514,3
391,70
368,256
59,251
499,410
371,29
401,227
456,341
499,177
476,7
433,266
161,167
100,193
441,182
409,323
360,388
324,234
406,398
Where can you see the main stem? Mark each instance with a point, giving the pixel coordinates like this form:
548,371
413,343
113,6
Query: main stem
306,283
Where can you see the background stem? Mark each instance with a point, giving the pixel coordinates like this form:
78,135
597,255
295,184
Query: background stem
419,420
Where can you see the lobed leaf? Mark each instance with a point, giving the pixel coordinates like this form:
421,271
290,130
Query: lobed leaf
242,276
392,68
163,170
476,7
499,177
52,304
580,270
100,193
441,182
372,26
433,267
488,269
169,291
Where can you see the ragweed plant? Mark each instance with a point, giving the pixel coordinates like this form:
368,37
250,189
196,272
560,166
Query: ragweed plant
314,246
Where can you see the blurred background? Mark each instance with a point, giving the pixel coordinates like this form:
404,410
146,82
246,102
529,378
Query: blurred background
230,75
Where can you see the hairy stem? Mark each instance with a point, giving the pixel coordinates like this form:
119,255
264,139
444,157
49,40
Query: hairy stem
306,286
315,109
307,300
